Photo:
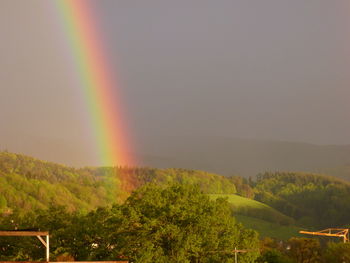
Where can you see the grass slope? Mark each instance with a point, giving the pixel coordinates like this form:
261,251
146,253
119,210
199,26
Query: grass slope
252,208
241,202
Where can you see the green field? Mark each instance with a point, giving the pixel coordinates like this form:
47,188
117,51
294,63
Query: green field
241,202
252,208
260,217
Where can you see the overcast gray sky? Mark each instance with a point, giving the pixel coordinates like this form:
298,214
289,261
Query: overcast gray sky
262,69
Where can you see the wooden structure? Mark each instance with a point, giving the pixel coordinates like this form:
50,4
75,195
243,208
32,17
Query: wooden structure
46,243
38,234
331,232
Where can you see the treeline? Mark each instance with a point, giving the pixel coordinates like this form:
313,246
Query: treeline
177,223
312,200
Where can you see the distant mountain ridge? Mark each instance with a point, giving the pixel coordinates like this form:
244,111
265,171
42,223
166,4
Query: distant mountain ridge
227,156
248,157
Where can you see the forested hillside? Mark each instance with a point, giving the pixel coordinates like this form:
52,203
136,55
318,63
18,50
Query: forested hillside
27,183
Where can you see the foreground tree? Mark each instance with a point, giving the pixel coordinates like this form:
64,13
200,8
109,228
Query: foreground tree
178,224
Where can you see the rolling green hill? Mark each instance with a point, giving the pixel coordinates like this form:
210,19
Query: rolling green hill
255,209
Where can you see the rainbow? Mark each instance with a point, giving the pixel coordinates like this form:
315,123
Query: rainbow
98,84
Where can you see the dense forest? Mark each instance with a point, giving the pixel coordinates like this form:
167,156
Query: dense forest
148,214
312,200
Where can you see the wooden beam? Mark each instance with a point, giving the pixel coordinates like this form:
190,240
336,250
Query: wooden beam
23,233
330,232
42,240
321,234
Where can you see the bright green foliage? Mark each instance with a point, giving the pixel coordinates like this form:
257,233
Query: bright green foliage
240,201
30,184
180,224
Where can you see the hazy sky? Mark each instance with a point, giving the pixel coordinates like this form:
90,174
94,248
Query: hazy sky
263,69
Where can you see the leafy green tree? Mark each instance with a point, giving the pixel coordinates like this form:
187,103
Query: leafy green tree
178,224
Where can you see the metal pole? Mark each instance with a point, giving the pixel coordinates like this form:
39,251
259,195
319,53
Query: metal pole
47,249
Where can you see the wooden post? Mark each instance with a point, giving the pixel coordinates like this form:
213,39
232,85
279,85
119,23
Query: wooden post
47,248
